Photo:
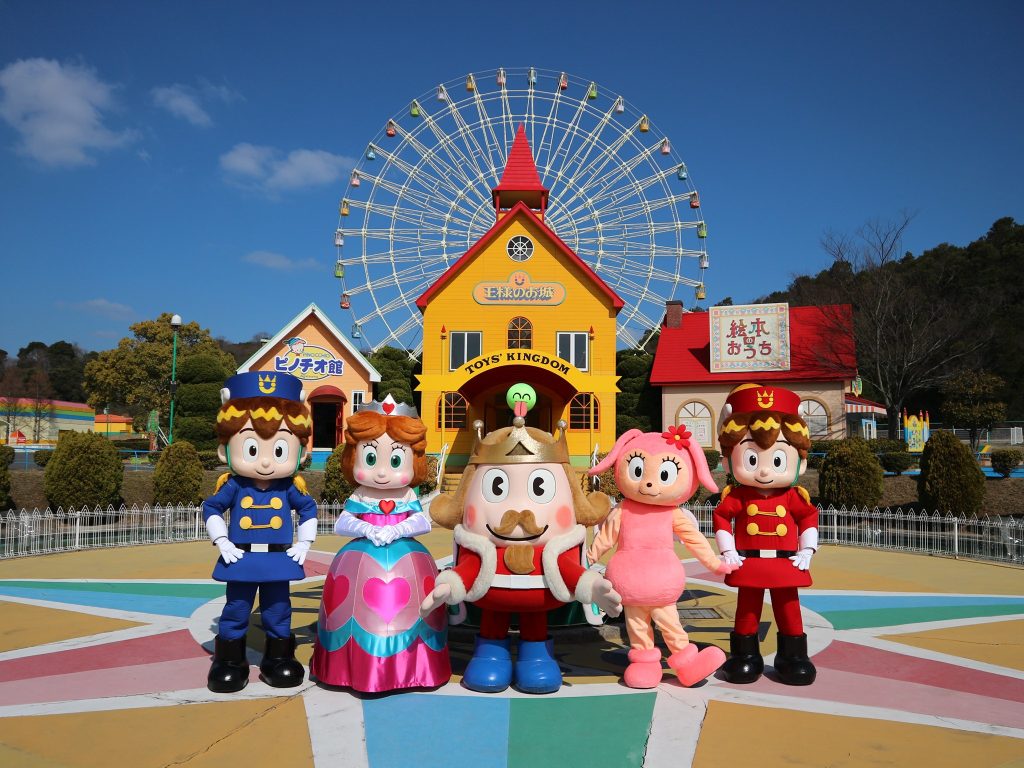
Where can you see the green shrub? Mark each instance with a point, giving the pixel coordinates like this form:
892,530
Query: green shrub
713,458
132,444
950,479
42,458
85,469
6,502
197,430
210,460
850,475
821,448
1005,460
430,481
6,456
897,462
606,482
887,445
195,399
336,487
178,475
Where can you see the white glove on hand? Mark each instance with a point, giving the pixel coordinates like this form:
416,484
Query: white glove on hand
732,557
802,559
727,546
228,551
606,598
436,598
376,535
388,533
298,550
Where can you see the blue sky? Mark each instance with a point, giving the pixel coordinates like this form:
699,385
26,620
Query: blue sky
189,157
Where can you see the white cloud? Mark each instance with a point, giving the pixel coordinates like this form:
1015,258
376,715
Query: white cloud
58,110
181,101
278,261
105,308
270,170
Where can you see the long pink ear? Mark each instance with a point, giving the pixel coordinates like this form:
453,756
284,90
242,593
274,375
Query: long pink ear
608,460
700,463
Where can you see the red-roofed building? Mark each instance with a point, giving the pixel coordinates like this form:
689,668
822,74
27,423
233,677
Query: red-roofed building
819,364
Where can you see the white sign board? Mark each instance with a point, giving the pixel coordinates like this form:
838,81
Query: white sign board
749,337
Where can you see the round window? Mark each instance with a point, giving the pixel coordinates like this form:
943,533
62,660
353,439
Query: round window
519,248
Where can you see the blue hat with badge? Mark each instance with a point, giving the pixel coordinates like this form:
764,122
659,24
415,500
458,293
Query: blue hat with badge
263,384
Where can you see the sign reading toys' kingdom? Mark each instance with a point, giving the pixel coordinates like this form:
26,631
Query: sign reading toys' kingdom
749,337
519,289
308,362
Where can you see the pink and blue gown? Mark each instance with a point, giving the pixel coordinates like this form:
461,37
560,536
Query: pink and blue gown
370,636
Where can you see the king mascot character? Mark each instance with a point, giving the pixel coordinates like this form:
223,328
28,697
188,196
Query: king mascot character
519,518
262,427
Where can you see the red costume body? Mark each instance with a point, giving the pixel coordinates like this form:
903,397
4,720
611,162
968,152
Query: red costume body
769,526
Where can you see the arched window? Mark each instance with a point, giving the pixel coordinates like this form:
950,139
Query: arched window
580,411
454,407
816,415
696,417
520,333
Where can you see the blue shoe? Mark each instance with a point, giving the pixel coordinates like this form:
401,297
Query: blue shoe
536,668
490,669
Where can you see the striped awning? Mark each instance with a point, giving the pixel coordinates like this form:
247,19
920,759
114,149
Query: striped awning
856,404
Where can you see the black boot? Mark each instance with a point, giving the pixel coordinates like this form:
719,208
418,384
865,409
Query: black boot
744,664
229,671
791,662
279,667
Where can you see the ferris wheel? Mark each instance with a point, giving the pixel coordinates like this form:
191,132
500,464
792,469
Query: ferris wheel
420,196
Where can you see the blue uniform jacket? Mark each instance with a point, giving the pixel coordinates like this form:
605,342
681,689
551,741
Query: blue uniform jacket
259,517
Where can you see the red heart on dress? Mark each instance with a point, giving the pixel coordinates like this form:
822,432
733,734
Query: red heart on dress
386,506
387,407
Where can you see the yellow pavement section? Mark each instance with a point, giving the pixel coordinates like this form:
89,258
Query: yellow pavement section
740,735
271,732
1000,643
188,560
873,570
26,626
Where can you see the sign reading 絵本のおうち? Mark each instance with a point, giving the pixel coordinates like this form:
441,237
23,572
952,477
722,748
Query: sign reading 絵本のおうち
749,337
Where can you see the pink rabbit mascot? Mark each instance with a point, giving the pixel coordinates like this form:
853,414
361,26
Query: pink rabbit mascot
656,473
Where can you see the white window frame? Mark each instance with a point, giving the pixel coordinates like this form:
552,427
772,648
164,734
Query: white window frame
694,414
452,365
572,348
358,400
811,418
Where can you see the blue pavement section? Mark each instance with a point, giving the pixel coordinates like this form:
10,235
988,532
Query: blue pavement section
181,600
859,611
436,730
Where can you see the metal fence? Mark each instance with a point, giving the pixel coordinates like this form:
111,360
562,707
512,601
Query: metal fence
999,539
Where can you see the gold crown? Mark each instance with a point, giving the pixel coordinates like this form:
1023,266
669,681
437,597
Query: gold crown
519,444
268,384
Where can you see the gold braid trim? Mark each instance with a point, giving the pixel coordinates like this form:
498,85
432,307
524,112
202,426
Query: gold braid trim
300,485
221,480
803,493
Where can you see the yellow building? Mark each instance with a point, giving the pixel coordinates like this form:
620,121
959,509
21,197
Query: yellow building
519,306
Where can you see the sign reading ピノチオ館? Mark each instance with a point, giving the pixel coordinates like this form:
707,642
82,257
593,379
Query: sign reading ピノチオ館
308,362
519,289
749,337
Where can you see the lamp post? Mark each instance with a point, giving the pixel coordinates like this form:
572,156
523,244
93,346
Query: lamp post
175,324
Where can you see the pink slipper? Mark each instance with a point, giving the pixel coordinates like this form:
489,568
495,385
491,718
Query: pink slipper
644,670
693,667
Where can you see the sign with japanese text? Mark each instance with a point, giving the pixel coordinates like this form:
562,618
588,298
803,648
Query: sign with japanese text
308,362
749,337
519,289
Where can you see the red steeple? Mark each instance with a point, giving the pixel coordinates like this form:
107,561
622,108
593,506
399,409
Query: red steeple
520,181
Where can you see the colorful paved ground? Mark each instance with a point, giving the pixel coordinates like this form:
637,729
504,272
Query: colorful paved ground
104,654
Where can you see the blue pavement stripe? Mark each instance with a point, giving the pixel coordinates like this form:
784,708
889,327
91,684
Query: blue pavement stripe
135,603
428,730
861,602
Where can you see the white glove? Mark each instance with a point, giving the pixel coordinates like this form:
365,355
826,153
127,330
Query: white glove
808,546
376,535
218,530
606,598
732,557
306,537
727,546
436,598
388,533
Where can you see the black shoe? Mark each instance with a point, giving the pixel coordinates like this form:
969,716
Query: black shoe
791,662
744,664
229,671
279,667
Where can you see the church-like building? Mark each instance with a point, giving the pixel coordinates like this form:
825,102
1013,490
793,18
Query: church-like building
519,306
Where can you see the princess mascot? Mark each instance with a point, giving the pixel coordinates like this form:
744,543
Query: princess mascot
656,473
261,426
370,635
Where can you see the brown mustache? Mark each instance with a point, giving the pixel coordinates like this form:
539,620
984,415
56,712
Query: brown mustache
513,519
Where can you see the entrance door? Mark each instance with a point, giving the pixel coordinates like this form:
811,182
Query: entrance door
497,414
325,415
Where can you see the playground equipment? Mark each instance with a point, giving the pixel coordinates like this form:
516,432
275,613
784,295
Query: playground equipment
420,196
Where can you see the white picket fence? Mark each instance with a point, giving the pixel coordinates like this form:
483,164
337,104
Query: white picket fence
999,539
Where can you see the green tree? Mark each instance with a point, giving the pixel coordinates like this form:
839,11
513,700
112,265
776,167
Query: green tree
84,470
850,475
396,373
638,405
178,475
201,378
950,479
972,402
137,373
336,487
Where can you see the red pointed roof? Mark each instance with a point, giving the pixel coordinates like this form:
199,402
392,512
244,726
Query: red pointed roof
520,175
519,211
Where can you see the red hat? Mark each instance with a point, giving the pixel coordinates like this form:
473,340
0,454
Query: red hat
751,398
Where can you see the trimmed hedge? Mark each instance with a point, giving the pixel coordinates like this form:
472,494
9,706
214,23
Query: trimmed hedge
819,447
6,455
1005,460
42,458
6,502
606,482
85,469
430,481
850,475
887,445
713,458
210,460
897,462
950,479
178,475
336,487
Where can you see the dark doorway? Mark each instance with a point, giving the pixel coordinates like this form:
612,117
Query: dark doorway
325,415
497,414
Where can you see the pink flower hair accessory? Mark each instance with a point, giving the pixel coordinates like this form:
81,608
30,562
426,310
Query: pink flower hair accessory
677,437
